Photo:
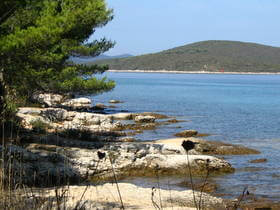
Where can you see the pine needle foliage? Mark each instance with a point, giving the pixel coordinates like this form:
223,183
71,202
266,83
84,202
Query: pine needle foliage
37,38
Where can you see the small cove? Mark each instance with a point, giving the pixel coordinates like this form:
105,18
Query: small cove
238,109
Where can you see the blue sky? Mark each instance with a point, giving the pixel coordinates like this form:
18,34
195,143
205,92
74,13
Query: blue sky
148,26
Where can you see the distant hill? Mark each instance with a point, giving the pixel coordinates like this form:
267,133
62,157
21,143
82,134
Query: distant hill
86,60
205,56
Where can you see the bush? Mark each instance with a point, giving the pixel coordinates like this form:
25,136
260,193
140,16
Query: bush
81,134
39,126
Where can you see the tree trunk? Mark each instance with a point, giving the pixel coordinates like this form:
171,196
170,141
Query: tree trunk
2,98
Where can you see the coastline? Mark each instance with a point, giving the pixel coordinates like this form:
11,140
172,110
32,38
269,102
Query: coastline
191,72
166,153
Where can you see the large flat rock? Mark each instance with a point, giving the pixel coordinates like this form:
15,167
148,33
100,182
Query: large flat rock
55,156
207,147
134,197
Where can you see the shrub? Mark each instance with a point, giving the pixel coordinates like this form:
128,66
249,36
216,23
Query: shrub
39,126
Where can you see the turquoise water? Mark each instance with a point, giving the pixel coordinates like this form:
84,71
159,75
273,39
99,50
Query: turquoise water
238,109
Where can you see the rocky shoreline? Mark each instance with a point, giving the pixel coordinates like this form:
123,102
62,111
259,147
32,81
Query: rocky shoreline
75,136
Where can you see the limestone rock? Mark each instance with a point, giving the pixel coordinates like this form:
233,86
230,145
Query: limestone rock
100,106
38,166
115,101
168,149
145,119
156,115
47,98
85,118
55,114
178,164
208,147
122,116
52,157
64,120
29,110
187,133
78,103
126,139
135,197
261,160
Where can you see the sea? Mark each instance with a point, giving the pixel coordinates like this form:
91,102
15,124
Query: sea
239,109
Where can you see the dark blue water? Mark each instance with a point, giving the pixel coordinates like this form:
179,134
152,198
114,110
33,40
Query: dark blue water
238,109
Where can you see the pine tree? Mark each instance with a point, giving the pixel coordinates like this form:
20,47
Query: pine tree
37,38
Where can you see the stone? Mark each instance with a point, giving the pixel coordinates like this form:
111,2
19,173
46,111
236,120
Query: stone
178,164
45,168
84,118
122,116
261,160
209,147
55,114
187,133
29,110
48,99
115,101
171,149
156,115
138,127
145,119
61,119
174,121
134,197
78,103
129,159
126,139
100,106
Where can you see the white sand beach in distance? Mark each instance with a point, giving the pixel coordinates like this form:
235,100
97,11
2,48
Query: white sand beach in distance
190,72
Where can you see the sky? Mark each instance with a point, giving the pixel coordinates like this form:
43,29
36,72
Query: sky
149,26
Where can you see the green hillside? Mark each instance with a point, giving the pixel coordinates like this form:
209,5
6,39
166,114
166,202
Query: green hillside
206,55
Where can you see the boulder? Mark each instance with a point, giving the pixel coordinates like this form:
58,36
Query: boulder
145,119
206,147
139,127
99,106
64,120
122,116
178,164
126,139
29,110
85,118
168,149
187,133
55,114
115,101
261,160
78,103
43,167
156,115
48,99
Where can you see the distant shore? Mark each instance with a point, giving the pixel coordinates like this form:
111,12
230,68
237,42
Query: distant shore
191,72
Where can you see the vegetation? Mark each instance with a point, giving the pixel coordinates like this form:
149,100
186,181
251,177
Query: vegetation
228,56
37,38
39,126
